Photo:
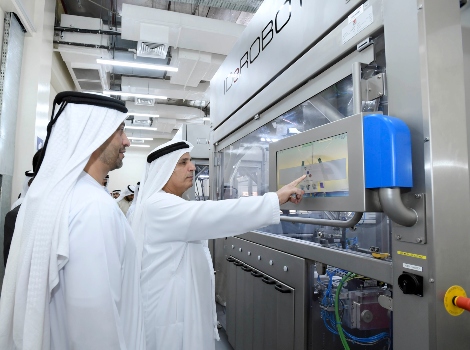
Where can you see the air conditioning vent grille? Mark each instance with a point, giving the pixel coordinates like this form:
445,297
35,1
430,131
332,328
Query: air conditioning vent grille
154,50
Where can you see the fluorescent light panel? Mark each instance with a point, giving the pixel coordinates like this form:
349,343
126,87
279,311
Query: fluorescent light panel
143,115
140,138
136,65
140,128
130,94
140,145
206,118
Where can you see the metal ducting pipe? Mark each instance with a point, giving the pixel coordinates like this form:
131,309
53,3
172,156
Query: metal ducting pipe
393,206
333,223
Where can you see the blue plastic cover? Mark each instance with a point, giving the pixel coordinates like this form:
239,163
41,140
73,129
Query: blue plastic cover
387,152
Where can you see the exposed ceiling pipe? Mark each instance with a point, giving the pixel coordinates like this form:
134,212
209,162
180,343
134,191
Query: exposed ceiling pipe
86,31
104,47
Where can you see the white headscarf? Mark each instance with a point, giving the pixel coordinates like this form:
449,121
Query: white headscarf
156,175
27,176
40,246
126,192
131,211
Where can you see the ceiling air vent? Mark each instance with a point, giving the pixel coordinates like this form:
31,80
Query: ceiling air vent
88,79
139,101
154,50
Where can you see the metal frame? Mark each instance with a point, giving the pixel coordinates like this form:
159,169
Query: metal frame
426,69
273,263
360,199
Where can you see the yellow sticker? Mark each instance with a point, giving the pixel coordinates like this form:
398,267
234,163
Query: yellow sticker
412,255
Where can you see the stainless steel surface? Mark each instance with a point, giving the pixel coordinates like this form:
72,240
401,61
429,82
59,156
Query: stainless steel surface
360,263
359,199
392,205
312,63
335,223
373,88
295,278
250,60
357,93
430,56
417,233
231,301
339,71
240,312
285,318
425,87
248,311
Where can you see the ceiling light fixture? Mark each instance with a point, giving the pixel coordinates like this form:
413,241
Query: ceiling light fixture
140,128
136,65
206,118
143,115
140,138
131,94
140,145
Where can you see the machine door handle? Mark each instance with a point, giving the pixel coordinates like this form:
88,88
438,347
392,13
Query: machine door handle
230,259
281,289
236,263
267,280
246,268
256,274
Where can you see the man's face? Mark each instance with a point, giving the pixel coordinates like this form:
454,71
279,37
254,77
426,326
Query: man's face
112,151
129,197
116,195
182,177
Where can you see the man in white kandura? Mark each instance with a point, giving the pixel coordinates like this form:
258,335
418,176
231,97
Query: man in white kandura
177,278
72,277
131,211
125,199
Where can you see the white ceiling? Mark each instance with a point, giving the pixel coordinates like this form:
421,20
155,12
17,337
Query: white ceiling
196,33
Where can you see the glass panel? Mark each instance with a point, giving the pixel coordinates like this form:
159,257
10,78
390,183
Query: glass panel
245,170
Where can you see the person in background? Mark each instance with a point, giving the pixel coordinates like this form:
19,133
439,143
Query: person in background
131,211
105,182
28,179
115,194
177,277
10,218
125,198
72,277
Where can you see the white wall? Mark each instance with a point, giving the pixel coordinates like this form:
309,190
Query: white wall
131,171
33,109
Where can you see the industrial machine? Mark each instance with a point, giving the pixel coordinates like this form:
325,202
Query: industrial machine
368,99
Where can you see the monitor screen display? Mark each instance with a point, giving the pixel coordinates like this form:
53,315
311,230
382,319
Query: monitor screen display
325,162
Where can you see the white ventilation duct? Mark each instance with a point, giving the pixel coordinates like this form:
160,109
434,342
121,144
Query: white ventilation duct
165,88
166,111
179,30
194,66
81,61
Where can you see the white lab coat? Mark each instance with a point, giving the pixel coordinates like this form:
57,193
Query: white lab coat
177,278
96,304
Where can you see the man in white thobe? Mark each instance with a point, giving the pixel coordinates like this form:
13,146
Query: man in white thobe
72,277
177,278
131,211
125,199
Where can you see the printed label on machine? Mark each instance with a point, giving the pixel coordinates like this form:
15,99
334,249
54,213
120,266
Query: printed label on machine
357,25
413,267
